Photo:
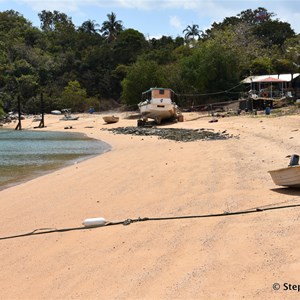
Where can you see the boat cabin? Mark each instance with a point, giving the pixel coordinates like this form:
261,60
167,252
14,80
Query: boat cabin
158,93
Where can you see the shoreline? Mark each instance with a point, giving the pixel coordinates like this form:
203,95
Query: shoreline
37,174
143,176
49,168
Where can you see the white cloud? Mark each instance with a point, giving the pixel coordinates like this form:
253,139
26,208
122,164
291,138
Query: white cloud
189,4
285,14
76,5
71,5
175,22
208,6
140,4
60,5
203,12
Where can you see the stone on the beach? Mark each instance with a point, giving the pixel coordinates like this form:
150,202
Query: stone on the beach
175,134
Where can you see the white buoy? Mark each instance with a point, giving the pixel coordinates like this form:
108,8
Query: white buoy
94,222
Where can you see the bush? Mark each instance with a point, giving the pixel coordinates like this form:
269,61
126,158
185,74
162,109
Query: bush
1,109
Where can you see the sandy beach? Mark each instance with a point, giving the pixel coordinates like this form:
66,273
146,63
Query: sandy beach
232,257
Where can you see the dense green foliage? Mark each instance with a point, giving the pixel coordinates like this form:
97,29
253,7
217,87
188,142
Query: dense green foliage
78,67
1,109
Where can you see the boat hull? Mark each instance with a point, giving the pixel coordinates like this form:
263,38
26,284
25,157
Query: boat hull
55,112
289,176
65,118
158,112
111,119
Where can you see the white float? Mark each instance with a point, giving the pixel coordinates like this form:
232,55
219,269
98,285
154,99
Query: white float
94,222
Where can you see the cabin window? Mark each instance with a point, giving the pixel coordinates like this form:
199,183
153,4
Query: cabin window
161,92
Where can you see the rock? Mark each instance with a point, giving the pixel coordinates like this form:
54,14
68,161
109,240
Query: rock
175,134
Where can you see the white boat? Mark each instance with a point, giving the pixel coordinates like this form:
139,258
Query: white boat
55,112
68,116
158,104
289,176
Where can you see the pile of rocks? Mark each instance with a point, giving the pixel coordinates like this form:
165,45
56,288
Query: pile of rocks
6,120
9,118
175,134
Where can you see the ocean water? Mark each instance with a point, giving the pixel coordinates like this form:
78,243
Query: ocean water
28,154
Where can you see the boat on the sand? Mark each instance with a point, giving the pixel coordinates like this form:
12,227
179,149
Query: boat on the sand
55,112
68,116
289,176
158,104
110,119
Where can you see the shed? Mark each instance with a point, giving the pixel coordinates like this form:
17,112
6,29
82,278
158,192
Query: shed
275,85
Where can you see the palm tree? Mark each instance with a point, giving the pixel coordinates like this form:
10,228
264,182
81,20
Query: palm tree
192,32
112,27
89,27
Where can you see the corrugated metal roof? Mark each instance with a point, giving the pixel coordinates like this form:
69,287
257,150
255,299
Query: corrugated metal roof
261,78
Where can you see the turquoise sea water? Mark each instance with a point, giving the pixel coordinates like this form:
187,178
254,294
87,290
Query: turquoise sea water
27,154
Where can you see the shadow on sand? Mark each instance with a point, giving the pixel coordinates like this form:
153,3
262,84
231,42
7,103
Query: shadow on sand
287,191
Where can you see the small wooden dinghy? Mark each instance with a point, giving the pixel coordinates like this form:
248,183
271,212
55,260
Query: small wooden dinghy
289,176
110,119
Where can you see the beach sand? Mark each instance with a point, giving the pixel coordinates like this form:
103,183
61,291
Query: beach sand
232,257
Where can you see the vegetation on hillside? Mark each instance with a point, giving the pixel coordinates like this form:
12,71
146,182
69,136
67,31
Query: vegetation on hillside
75,67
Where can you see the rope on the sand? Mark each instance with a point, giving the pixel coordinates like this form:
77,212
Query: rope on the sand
130,221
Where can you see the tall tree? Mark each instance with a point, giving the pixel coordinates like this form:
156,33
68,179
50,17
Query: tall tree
128,45
243,43
1,108
256,16
74,96
89,26
292,52
191,32
249,17
112,27
140,76
51,20
211,68
20,58
274,32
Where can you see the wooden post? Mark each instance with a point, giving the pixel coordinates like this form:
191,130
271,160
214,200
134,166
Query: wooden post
42,124
19,125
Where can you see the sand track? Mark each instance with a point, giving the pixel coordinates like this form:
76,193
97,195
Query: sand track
231,257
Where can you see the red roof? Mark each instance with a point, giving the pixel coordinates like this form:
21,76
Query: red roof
270,79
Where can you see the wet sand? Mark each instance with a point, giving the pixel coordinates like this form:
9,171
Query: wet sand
233,257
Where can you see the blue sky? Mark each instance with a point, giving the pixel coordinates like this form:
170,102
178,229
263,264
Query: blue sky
155,18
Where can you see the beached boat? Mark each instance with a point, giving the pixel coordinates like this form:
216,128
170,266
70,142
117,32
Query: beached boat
55,112
68,116
110,119
158,104
289,176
